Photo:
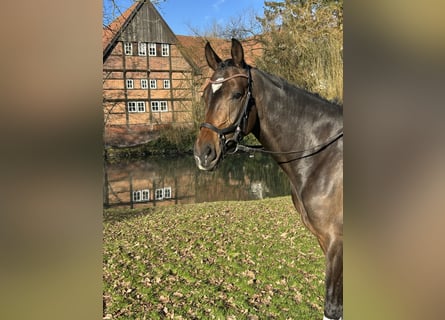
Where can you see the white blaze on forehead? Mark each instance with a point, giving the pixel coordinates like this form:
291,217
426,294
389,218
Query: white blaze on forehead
216,86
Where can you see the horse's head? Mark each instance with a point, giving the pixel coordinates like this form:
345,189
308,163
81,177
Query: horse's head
228,107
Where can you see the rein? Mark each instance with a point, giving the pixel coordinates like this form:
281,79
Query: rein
305,153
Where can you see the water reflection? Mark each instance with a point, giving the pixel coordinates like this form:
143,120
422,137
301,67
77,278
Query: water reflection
157,181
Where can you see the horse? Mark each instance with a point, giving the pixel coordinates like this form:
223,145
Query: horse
303,133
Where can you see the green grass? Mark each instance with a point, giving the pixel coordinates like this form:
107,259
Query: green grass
223,260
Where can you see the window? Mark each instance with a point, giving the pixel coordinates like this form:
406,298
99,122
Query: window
142,49
163,106
131,106
129,83
155,106
136,106
159,106
141,106
153,84
166,84
152,49
145,195
167,193
163,193
136,196
159,194
128,48
165,50
141,195
144,83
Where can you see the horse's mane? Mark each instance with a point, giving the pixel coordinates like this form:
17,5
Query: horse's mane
282,83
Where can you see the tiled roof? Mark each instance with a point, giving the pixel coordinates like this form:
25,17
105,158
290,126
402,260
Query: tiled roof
194,48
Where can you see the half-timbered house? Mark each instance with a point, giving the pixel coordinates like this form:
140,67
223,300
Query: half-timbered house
148,81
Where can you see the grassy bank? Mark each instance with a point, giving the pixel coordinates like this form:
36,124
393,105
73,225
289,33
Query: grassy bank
169,141
224,260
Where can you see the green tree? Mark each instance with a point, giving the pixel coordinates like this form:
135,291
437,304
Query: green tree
303,43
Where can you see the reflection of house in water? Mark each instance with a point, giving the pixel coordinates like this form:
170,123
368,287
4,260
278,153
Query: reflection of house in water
160,181
145,184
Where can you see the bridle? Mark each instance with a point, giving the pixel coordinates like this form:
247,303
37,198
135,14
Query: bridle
238,128
231,145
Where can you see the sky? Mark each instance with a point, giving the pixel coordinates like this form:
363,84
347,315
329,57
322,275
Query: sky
200,14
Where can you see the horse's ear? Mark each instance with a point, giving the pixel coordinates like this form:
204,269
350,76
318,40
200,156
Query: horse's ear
238,54
212,58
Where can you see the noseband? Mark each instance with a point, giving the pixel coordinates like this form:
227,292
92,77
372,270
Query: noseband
231,145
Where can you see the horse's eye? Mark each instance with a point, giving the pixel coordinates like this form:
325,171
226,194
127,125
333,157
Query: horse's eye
237,95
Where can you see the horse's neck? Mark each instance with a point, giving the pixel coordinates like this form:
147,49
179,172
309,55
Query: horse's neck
290,118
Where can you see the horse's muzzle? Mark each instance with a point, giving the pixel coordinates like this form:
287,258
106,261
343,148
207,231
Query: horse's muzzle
206,156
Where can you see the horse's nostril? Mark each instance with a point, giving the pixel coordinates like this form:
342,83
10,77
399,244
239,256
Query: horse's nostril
209,153
205,156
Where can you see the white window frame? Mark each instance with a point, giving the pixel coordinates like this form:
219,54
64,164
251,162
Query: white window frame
165,49
136,196
140,106
153,84
136,106
142,48
144,84
166,84
140,195
159,194
128,48
163,106
152,49
167,193
131,106
129,83
145,195
154,106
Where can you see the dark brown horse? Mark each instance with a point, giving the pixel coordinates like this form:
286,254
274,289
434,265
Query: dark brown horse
304,135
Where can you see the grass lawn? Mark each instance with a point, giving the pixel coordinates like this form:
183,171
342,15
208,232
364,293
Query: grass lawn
222,260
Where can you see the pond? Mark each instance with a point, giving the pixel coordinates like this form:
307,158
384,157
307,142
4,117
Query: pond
160,181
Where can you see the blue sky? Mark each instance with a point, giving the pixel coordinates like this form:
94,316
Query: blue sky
200,14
